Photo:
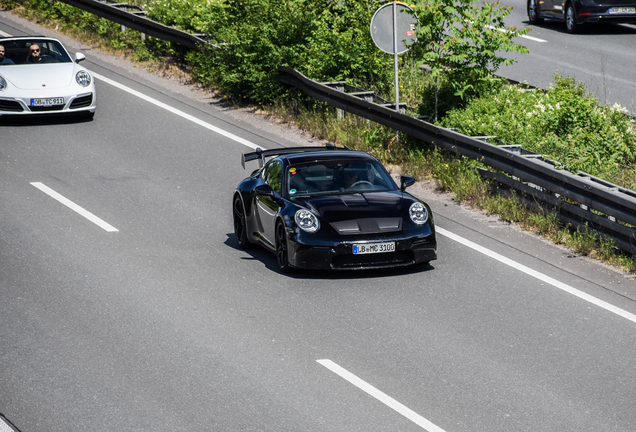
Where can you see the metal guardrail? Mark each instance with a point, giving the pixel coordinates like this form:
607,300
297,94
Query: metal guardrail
136,21
581,199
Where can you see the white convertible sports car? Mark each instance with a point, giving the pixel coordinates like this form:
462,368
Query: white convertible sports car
38,76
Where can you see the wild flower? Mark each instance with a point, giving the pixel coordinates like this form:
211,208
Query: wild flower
618,108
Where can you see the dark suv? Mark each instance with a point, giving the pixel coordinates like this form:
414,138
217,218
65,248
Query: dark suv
578,12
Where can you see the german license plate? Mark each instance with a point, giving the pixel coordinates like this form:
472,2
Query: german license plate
622,10
47,101
371,248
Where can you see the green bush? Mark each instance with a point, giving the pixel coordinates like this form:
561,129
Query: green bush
190,16
325,40
564,123
449,100
187,15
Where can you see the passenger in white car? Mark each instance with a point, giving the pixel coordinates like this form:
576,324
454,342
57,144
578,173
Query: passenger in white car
3,59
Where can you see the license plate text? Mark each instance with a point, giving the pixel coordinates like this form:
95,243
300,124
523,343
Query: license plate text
369,248
47,101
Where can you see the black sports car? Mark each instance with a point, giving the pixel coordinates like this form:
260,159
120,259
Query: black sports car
578,12
331,208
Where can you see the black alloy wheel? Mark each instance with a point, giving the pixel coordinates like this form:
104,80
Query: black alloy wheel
533,12
282,256
240,225
570,19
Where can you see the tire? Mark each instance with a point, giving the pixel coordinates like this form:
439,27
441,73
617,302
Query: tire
240,224
570,19
533,12
282,253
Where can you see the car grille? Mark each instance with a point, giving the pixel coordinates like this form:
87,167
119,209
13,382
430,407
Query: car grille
368,226
389,259
46,108
82,101
9,105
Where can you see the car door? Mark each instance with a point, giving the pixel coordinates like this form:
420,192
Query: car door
267,206
553,8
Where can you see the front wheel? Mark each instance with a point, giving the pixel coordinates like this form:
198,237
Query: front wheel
533,12
282,254
570,19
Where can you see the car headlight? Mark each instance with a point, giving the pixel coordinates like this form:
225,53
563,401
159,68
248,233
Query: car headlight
83,78
418,213
307,221
3,84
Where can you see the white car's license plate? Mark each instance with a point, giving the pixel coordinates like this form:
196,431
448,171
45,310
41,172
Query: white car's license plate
369,248
622,10
47,101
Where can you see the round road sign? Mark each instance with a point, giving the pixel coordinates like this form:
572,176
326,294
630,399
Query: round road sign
382,30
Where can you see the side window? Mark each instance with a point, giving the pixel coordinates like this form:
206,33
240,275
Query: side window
273,175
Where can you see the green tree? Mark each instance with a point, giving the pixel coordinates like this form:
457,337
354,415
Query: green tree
326,40
340,46
461,40
256,36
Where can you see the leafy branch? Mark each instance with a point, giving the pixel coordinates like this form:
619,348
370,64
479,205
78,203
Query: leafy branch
461,40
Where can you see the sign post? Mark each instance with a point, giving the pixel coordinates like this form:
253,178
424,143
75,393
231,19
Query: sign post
392,30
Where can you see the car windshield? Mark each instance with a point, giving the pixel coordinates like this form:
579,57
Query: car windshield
337,177
33,51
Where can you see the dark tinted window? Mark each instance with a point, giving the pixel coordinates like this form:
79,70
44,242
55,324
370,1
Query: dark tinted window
273,175
338,176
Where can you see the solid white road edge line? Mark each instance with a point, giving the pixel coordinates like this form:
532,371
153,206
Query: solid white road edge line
520,267
527,270
177,112
532,38
4,34
70,204
381,396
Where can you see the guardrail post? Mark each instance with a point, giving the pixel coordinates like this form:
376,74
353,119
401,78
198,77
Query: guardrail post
340,111
125,9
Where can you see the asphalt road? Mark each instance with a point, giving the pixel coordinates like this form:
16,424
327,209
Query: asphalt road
601,57
162,324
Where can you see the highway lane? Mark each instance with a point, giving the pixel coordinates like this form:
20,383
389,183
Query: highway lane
166,325
601,57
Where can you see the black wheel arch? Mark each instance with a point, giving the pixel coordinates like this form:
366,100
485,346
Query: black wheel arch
244,196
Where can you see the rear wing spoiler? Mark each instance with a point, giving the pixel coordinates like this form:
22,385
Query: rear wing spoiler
262,154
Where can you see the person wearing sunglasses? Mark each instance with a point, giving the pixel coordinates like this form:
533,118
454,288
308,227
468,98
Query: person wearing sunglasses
36,56
3,59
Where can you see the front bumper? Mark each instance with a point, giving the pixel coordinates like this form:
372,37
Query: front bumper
74,103
307,252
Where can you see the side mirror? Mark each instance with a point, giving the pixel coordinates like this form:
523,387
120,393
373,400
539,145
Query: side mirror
406,181
265,190
79,57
